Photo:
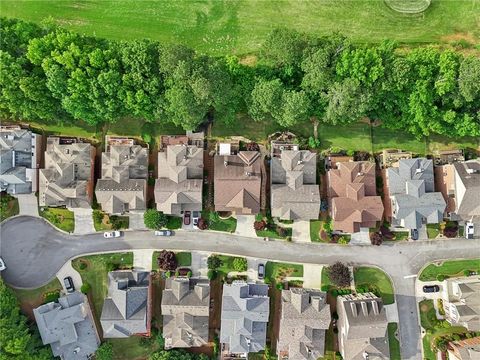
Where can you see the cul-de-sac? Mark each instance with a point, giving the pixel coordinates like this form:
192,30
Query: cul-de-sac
240,179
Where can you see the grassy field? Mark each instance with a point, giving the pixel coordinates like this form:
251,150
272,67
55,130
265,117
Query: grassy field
449,268
393,342
95,273
369,276
221,27
276,271
62,218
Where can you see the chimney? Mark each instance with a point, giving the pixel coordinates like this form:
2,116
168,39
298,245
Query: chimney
375,307
363,304
353,306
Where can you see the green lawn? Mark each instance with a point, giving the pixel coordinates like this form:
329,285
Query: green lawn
132,348
376,278
432,231
273,234
60,217
96,271
174,222
277,271
227,265
325,279
218,224
449,268
8,206
393,342
184,258
401,235
222,27
315,227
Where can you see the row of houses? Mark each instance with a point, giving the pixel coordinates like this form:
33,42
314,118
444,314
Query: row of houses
67,179
186,307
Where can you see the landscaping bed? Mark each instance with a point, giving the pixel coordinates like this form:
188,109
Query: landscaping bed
277,271
94,269
216,223
61,218
8,206
375,280
266,227
450,268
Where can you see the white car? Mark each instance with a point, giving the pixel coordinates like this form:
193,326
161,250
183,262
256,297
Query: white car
111,234
163,233
2,265
195,217
469,230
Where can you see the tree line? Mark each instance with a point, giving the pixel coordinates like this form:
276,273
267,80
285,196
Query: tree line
53,75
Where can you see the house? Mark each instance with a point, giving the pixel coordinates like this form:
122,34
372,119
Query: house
467,190
410,187
68,327
362,327
245,309
304,319
294,192
462,303
126,310
185,310
237,181
67,179
20,153
467,349
391,157
122,187
352,196
180,178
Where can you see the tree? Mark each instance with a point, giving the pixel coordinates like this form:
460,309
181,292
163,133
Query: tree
154,219
214,262
469,78
85,288
166,260
16,338
376,238
104,352
259,225
240,264
202,224
339,274
176,355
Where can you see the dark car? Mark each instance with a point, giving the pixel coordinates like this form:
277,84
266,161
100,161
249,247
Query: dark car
414,234
186,217
68,282
431,288
261,271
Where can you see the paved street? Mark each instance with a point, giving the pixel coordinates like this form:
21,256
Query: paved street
34,251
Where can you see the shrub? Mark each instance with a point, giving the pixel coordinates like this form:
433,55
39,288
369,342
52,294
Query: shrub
147,138
240,264
111,266
259,225
151,181
325,287
441,277
51,296
82,265
253,146
214,262
313,143
211,274
339,274
450,232
160,341
202,224
376,238
104,352
466,272
167,260
189,274
350,152
177,273
168,274
343,240
386,233
154,219
97,216
281,231
279,286
86,287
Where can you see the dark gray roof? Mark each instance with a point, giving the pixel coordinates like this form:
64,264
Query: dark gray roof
185,310
305,316
467,189
295,194
124,311
362,325
68,327
411,188
245,310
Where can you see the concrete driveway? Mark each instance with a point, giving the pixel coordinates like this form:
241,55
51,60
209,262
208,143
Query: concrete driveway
135,221
301,231
142,259
361,238
28,244
199,263
83,221
28,204
245,226
68,270
312,276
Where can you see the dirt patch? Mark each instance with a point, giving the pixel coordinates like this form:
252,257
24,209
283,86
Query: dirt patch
424,308
468,37
249,60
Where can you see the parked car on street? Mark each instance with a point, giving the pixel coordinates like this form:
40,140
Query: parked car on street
261,271
2,265
68,282
186,217
112,234
195,217
414,234
431,288
163,233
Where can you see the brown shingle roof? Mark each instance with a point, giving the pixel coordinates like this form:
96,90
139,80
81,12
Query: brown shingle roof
352,196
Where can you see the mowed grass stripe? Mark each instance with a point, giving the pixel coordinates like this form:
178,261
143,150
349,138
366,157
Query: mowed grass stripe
222,27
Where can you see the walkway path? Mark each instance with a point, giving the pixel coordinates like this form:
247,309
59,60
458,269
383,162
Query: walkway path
28,244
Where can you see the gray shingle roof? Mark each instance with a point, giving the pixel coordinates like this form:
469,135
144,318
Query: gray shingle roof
67,176
411,188
123,184
180,177
68,327
362,327
124,311
305,316
295,194
467,189
245,310
462,305
185,310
